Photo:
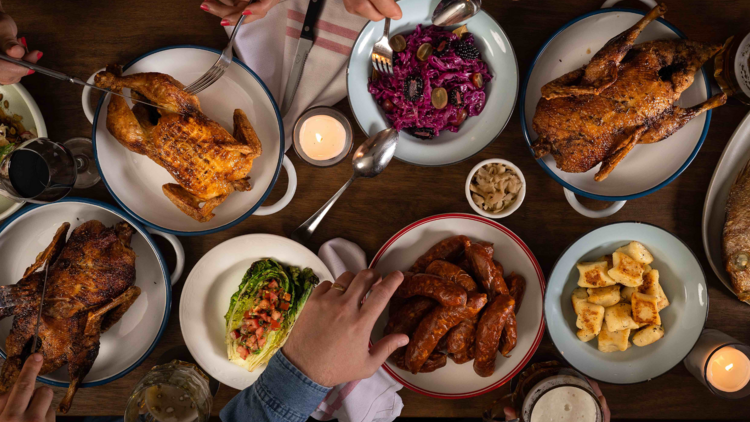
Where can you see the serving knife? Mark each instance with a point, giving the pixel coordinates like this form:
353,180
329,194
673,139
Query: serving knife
41,306
303,49
63,77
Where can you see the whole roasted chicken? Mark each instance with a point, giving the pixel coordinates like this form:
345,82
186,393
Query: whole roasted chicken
205,160
625,95
89,288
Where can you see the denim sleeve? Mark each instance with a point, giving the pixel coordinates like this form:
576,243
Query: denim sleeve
281,394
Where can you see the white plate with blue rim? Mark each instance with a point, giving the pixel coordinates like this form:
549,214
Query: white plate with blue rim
647,168
135,181
680,275
476,132
30,231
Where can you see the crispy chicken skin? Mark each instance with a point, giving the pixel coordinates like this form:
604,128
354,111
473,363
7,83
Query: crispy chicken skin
623,97
205,160
89,288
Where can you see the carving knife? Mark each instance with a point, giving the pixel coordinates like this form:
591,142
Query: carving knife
63,77
303,49
41,305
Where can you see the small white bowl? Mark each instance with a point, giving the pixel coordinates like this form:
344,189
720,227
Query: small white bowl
507,211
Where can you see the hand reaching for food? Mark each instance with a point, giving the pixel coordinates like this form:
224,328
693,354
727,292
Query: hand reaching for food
231,10
22,403
16,48
374,10
330,339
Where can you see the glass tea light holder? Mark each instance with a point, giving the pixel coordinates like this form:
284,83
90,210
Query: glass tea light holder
322,136
721,363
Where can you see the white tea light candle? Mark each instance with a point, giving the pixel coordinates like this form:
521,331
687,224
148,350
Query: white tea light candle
721,363
728,370
322,137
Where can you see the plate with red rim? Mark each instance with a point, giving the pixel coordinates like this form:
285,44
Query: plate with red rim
460,381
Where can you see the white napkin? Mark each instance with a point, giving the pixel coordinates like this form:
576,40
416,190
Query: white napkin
374,399
268,46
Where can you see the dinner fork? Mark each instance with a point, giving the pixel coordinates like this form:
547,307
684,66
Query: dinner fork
382,53
217,70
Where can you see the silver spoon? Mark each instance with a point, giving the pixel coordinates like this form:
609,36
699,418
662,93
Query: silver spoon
369,160
451,12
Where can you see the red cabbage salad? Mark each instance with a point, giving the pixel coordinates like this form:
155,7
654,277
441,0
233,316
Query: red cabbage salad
438,81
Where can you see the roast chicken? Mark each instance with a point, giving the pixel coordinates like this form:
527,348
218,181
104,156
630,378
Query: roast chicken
206,161
625,95
90,285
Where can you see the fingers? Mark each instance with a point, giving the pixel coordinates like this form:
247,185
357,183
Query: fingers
344,281
509,412
362,284
364,9
40,403
322,288
23,389
388,8
258,10
379,296
50,416
602,400
383,348
222,10
3,400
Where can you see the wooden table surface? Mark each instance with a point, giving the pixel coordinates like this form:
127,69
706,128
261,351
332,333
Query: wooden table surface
78,37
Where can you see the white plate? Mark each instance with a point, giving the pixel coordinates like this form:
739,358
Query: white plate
460,381
682,279
127,343
135,180
476,132
736,154
210,286
647,168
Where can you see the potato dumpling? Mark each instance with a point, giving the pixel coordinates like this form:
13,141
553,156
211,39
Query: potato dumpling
638,252
618,317
590,318
605,296
648,335
626,293
579,296
585,336
645,309
613,341
608,259
651,286
594,274
625,270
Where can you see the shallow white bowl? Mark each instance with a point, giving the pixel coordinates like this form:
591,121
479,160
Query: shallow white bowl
507,211
682,279
476,132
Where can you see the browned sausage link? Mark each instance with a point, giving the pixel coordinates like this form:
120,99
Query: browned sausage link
510,335
395,305
465,265
435,325
517,287
489,247
489,331
485,270
499,267
407,318
435,361
447,249
463,356
453,273
444,291
462,335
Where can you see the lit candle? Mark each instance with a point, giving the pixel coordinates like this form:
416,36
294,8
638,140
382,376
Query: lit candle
322,137
728,370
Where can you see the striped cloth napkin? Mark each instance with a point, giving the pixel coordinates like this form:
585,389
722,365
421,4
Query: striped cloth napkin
374,399
268,46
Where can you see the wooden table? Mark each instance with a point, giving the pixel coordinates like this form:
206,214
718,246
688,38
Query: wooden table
79,37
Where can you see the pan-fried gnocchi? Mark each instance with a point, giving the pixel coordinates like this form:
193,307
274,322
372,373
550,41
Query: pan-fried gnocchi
619,299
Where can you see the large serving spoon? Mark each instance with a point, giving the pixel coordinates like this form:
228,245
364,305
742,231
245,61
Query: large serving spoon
369,160
451,12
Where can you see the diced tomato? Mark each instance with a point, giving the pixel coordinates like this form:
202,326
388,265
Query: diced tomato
275,316
275,325
287,297
273,285
264,304
272,296
252,324
235,334
248,314
252,340
261,342
284,306
265,317
259,332
243,352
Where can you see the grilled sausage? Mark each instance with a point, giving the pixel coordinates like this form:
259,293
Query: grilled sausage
447,249
435,361
510,335
406,319
435,325
463,356
489,247
486,271
517,287
453,273
460,337
489,331
444,291
394,305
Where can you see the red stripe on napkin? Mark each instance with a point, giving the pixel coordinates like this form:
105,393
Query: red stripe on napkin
321,42
324,25
343,393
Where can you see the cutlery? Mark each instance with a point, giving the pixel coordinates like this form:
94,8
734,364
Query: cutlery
304,46
369,160
382,53
216,71
451,12
41,304
63,77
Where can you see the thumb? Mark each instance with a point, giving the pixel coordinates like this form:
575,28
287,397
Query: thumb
387,345
8,41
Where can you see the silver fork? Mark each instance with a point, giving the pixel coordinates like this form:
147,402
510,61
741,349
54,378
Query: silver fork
382,53
217,70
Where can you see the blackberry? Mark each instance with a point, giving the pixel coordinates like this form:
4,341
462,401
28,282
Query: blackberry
413,88
465,50
442,47
421,132
456,97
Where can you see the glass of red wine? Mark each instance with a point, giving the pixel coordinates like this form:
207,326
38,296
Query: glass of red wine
42,171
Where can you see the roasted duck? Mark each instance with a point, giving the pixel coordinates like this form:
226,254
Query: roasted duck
624,96
736,236
206,161
89,288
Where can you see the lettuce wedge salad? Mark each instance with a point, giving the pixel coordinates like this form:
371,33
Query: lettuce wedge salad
263,310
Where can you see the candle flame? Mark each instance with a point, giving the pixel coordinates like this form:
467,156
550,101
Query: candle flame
728,367
318,137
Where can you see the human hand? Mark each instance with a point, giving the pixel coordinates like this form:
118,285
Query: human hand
22,403
16,48
330,339
374,10
598,391
231,10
